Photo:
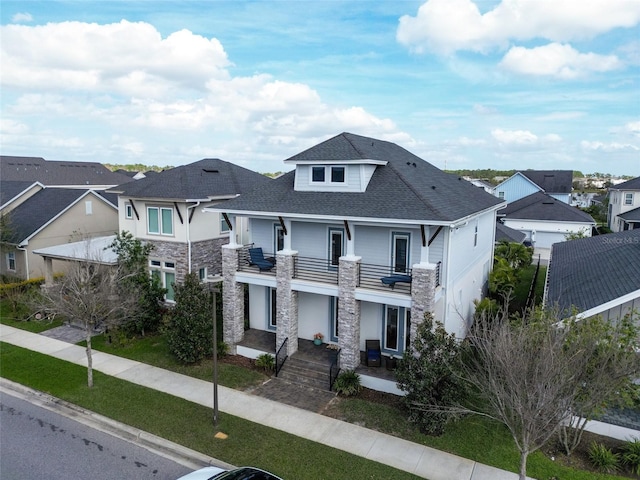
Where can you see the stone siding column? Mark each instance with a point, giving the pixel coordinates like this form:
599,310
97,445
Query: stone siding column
348,313
232,299
286,302
423,293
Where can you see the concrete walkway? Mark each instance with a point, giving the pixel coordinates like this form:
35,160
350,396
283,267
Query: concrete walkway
417,459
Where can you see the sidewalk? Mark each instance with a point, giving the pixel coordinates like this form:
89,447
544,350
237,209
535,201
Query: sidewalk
417,459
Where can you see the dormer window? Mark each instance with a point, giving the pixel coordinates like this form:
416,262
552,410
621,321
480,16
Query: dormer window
336,174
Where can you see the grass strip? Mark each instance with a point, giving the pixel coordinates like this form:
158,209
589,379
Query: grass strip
187,423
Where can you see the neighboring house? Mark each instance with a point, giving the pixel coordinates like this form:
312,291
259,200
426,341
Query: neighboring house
596,276
366,238
486,186
84,175
13,193
506,234
50,217
545,220
555,183
165,210
624,206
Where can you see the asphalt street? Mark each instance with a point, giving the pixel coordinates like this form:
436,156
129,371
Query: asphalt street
38,443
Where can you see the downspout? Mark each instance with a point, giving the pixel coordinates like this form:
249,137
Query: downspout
188,235
26,258
448,277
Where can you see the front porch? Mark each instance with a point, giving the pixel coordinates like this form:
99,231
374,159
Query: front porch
257,342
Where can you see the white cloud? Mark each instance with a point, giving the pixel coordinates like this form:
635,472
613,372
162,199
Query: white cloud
22,18
633,128
607,147
524,139
558,61
11,127
446,26
484,109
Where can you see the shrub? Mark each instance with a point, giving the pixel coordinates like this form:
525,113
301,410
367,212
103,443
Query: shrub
347,383
223,349
266,361
603,458
190,329
427,373
631,455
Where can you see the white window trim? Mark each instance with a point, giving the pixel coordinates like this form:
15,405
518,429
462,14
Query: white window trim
163,267
328,171
160,221
394,237
630,202
11,257
128,211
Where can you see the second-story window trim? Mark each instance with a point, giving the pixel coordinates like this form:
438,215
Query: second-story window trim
336,246
628,198
160,221
128,211
400,248
328,174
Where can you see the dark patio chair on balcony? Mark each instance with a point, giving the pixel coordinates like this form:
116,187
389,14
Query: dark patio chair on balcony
391,280
256,257
374,355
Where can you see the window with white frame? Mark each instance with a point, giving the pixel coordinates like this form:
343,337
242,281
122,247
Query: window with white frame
11,261
333,318
88,207
501,195
202,274
128,211
165,272
278,238
628,198
335,174
400,252
336,244
273,310
224,226
160,220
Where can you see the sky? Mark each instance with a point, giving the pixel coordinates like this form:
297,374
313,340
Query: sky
501,84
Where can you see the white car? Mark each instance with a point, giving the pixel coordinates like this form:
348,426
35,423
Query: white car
242,473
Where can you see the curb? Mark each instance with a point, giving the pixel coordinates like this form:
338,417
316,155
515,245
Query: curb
153,443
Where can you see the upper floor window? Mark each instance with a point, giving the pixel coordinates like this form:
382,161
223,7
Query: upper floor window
160,220
224,226
501,195
278,235
128,211
400,252
628,198
337,174
11,261
88,207
335,246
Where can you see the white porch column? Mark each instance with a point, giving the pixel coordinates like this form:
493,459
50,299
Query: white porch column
287,238
48,271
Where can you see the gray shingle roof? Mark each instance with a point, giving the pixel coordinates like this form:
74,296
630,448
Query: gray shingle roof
200,180
592,271
551,181
9,189
631,215
35,212
509,234
406,188
49,172
540,206
633,184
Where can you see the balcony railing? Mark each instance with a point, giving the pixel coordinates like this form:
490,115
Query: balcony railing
244,264
370,276
315,270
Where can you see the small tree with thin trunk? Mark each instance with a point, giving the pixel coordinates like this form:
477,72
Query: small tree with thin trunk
525,377
88,295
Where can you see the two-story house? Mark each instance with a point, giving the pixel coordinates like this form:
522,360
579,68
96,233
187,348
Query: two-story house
555,183
624,206
165,210
358,242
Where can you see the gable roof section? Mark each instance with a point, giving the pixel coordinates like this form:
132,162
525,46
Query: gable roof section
406,187
508,234
551,181
633,184
10,190
57,173
589,272
41,209
201,180
540,206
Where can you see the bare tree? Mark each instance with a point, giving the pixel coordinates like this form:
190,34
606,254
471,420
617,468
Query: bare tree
88,295
525,377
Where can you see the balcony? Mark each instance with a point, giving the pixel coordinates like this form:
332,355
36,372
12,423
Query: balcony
244,264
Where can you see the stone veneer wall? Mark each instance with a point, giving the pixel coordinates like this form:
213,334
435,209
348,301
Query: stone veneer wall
423,292
348,314
232,299
286,303
206,253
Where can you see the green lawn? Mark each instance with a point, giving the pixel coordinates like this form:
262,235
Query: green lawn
187,423
20,317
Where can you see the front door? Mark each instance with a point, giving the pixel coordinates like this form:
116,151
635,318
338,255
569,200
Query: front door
396,332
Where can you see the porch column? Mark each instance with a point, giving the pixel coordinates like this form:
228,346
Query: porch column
287,238
232,298
286,302
48,271
423,292
348,313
